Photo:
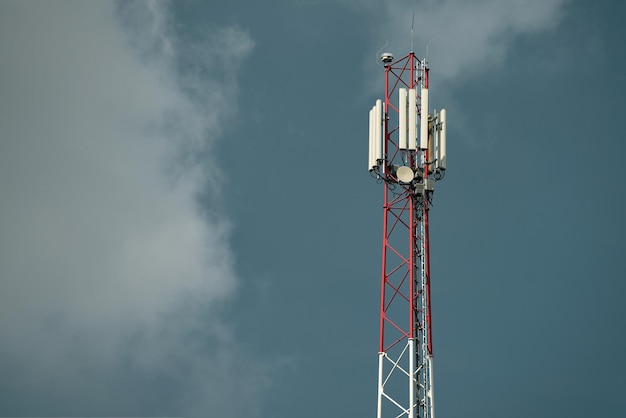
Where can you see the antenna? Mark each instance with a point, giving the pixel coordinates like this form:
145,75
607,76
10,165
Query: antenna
378,53
402,116
412,24
431,41
424,119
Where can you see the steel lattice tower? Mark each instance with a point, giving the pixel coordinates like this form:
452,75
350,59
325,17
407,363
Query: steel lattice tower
407,154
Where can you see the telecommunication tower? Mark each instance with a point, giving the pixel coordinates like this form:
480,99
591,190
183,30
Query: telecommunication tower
407,153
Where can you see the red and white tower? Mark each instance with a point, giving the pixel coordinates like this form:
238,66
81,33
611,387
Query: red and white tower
407,153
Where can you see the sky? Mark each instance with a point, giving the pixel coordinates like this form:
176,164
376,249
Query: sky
187,227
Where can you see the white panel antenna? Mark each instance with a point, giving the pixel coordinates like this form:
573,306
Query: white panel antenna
442,140
375,136
412,119
371,161
424,119
429,166
378,144
402,93
435,156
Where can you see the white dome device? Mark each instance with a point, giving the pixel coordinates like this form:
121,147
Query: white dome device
405,174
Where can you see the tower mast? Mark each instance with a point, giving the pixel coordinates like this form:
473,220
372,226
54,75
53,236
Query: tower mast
407,163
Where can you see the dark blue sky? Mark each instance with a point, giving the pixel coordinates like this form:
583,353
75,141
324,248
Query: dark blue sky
525,227
188,228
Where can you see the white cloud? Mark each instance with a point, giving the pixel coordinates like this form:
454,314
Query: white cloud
467,36
465,39
107,262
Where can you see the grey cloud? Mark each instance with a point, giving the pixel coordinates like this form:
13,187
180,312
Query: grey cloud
461,40
465,38
108,263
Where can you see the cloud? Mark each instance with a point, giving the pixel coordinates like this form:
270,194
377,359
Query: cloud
111,272
462,40
465,37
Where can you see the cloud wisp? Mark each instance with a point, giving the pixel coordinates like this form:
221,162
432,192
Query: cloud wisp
111,270
466,38
462,40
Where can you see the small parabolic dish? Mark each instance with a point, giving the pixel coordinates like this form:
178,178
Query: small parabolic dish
405,174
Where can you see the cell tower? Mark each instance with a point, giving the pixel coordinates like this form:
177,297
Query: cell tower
407,153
